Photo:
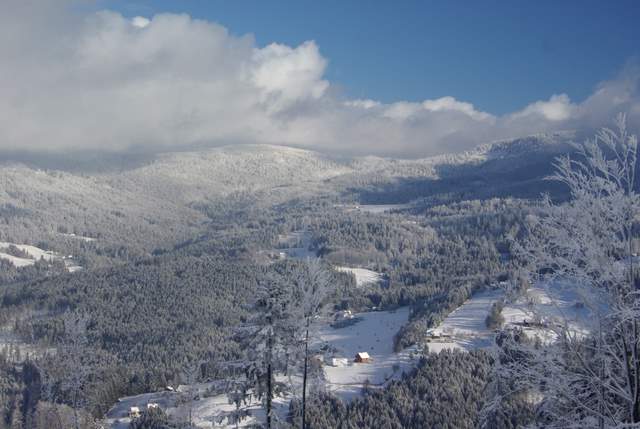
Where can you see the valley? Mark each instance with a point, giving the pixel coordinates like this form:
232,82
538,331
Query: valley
165,274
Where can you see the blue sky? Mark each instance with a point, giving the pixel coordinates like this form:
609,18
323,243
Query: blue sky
401,78
498,55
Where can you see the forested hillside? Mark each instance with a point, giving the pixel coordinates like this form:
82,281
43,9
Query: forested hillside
173,252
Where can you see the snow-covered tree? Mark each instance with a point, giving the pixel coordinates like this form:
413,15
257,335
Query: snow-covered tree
312,285
588,376
189,376
269,341
71,367
277,338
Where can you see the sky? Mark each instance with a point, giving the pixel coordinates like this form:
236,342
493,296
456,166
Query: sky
404,79
499,55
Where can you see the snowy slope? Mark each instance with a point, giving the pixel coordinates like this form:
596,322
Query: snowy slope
35,254
373,334
364,277
552,305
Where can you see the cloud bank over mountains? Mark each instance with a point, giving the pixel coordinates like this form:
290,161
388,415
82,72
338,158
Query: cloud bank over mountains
82,81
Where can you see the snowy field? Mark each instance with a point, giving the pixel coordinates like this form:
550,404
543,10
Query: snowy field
298,243
381,208
538,312
364,277
17,262
553,306
79,237
372,334
35,254
465,328
209,411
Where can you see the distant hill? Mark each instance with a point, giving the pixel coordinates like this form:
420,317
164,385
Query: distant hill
157,200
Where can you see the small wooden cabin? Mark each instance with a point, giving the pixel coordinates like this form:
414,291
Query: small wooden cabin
363,357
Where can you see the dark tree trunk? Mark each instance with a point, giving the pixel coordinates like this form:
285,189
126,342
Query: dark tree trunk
269,391
269,379
304,378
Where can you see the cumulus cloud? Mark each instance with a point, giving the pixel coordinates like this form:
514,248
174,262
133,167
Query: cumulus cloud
140,21
558,108
101,81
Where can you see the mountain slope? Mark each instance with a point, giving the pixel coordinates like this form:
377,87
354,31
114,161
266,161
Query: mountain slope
155,203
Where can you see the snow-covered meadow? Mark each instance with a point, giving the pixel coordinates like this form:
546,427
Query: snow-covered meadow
538,312
34,254
208,411
381,208
465,328
372,333
296,245
364,277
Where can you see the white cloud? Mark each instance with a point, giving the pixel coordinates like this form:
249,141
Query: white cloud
286,75
453,105
362,104
101,81
404,110
140,22
558,108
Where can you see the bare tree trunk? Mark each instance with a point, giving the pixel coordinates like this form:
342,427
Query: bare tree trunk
75,410
636,384
269,376
304,378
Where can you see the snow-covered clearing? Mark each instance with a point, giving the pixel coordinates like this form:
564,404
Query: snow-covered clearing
465,328
546,307
79,237
35,254
539,311
296,244
374,334
381,208
208,411
17,262
363,276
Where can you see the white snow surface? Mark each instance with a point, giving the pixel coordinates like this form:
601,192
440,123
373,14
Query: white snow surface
298,245
17,262
466,324
80,237
35,254
556,304
363,276
553,304
372,334
207,412
381,208
33,251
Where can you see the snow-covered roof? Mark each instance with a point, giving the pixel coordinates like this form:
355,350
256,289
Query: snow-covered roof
363,355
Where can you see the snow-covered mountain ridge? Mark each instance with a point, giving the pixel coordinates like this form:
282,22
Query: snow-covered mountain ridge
157,199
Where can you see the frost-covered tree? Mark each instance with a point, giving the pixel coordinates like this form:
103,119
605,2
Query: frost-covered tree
269,341
66,377
586,377
312,284
189,390
277,339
